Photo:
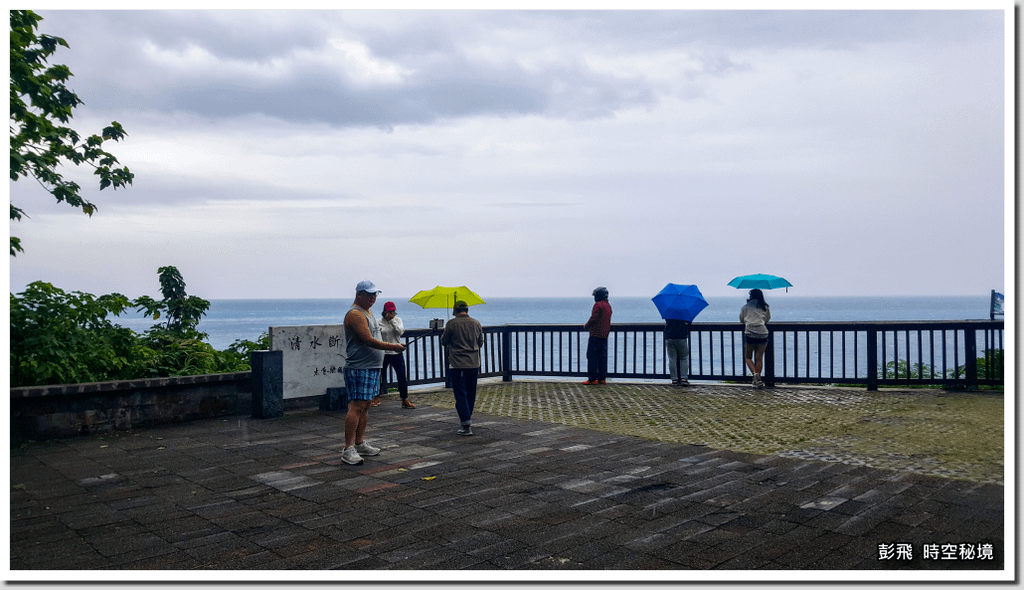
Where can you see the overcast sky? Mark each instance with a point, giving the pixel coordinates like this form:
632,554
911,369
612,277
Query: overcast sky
290,154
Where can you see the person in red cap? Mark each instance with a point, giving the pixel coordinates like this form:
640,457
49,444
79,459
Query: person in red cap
391,330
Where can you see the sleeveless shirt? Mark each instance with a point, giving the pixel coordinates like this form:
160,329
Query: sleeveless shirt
359,355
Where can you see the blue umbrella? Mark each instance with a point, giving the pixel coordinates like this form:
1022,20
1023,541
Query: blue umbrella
679,302
760,282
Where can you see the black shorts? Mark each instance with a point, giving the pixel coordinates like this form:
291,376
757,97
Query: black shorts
754,340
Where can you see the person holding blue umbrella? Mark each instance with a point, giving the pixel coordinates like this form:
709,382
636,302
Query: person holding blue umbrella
679,305
677,345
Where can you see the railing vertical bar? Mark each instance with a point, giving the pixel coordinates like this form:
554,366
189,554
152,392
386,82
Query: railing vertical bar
955,337
615,368
921,357
819,354
626,369
885,351
907,338
732,344
945,354
931,352
856,365
645,353
722,356
561,346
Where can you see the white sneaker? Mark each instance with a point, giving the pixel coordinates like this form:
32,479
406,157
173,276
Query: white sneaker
364,448
351,457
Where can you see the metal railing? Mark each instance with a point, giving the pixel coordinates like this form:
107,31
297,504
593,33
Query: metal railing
942,353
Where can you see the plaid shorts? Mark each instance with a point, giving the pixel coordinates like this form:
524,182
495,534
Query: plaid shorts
362,384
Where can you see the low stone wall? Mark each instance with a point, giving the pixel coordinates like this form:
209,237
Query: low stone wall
57,411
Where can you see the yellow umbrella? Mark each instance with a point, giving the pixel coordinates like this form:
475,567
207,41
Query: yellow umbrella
445,297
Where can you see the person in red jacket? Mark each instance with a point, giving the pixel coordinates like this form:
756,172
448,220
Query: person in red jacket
600,325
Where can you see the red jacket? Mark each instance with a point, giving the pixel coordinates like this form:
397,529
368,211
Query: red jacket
600,322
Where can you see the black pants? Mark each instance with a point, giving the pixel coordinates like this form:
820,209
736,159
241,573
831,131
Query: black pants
464,389
398,362
597,359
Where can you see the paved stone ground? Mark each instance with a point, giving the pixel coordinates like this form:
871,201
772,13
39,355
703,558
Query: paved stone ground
949,434
524,493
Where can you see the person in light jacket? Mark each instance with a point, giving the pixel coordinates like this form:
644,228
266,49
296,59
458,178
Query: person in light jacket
391,330
754,316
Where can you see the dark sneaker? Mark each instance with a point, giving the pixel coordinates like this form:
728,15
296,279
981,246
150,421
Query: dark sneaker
465,431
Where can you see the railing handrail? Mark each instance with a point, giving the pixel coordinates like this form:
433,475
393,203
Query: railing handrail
774,325
869,346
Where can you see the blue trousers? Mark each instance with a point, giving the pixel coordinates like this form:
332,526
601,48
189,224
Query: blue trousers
597,359
464,388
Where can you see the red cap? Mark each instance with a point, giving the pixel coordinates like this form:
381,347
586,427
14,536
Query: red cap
389,306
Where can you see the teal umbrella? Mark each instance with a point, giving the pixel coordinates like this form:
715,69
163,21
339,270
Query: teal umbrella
760,281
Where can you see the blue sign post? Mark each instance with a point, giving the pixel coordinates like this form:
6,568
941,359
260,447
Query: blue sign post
996,305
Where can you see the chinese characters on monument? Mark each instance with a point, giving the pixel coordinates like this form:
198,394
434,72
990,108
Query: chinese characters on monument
313,358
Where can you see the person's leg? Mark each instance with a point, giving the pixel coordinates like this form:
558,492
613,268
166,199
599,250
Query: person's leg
684,361
759,359
458,377
384,376
672,350
470,380
592,360
748,357
398,362
355,421
602,359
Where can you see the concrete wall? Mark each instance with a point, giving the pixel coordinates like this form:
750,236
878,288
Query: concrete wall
57,411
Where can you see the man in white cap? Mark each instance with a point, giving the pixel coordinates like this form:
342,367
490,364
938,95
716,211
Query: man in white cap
364,358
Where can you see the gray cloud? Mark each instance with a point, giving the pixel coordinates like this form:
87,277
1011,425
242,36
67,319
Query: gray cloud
261,65
588,142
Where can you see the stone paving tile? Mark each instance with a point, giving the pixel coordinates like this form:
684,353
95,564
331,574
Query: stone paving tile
521,494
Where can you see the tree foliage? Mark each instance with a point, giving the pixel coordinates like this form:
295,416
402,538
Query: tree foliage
41,107
183,311
59,337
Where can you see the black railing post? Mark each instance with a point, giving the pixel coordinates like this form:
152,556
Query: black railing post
506,353
872,359
769,360
971,362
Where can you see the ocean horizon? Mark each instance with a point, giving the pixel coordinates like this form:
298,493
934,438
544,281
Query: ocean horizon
229,320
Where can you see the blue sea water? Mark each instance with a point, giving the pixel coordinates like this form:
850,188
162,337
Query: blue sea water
246,319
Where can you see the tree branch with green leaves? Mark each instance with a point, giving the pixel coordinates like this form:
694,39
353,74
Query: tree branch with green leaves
41,107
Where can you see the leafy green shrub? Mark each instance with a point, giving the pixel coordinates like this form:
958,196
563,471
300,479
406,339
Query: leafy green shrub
59,337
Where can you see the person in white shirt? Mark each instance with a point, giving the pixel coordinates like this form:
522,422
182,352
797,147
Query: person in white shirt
391,330
754,315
